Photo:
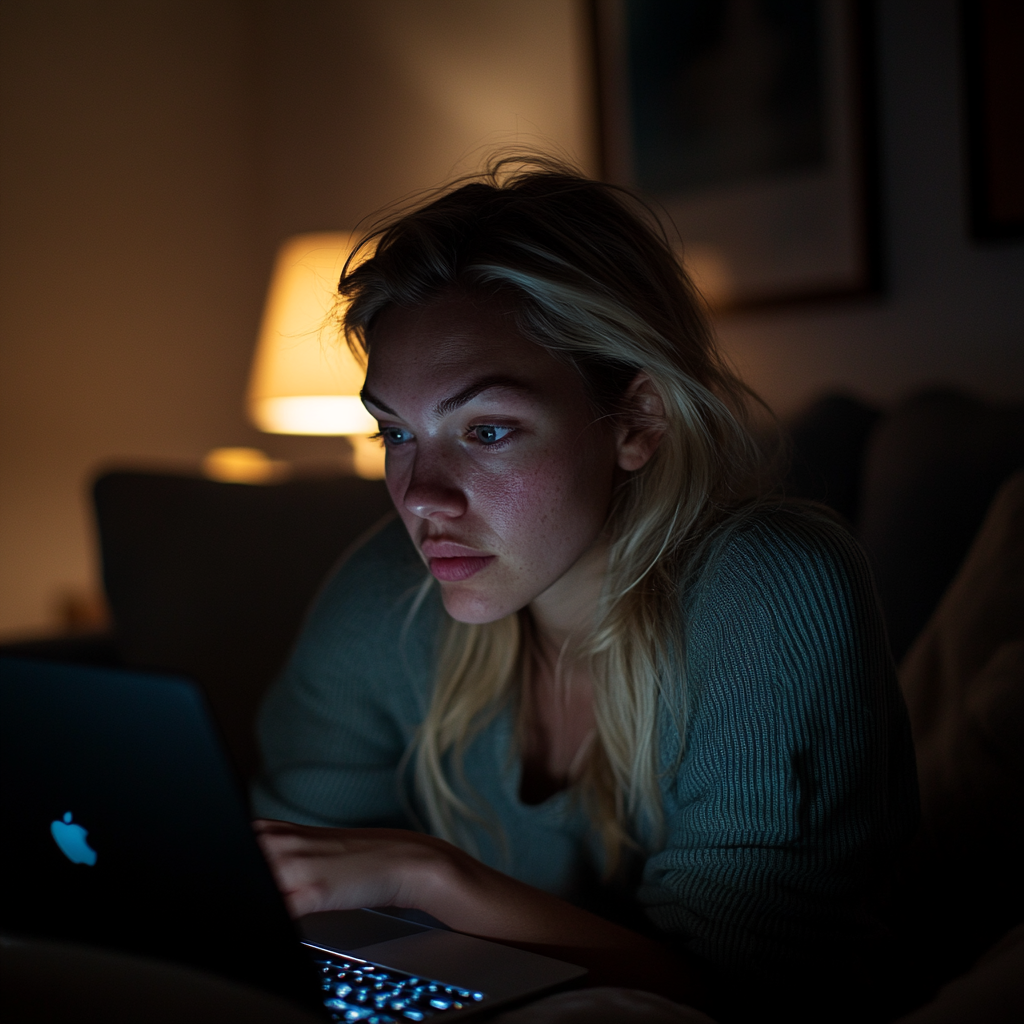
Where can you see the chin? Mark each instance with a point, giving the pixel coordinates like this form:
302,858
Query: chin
475,609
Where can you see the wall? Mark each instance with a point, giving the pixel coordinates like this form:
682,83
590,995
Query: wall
128,291
153,155
953,309
365,103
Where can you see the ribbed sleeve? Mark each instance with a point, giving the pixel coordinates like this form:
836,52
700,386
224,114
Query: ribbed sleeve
797,781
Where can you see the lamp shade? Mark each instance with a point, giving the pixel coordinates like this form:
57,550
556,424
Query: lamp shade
304,379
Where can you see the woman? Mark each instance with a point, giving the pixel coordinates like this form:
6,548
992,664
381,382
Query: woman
591,692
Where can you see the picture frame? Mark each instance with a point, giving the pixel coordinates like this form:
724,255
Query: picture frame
750,125
993,41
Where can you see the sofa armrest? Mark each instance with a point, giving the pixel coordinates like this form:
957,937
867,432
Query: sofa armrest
98,648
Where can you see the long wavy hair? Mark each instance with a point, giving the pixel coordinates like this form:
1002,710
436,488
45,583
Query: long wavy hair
589,275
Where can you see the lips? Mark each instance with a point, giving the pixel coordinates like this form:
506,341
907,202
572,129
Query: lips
451,570
451,562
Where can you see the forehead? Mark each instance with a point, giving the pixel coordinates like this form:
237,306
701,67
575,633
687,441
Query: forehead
454,340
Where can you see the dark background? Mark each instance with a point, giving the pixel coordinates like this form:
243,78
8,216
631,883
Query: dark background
153,156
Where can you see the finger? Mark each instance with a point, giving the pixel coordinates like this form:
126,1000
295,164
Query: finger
282,843
302,902
270,826
297,881
286,859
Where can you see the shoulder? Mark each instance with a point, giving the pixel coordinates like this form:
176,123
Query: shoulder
363,662
778,539
337,721
787,558
373,606
381,560
380,575
786,604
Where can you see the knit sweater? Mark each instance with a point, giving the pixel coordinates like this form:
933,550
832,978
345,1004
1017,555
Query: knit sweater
790,792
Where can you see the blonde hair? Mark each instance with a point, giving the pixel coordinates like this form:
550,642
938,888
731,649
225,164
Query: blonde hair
589,275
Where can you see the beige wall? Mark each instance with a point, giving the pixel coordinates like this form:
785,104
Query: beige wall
953,310
128,284
364,103
153,155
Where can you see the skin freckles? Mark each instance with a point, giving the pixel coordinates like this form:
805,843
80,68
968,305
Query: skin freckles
519,476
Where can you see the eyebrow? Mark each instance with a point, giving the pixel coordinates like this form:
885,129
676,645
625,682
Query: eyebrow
467,394
368,396
461,398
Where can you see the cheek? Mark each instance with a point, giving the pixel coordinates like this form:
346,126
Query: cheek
396,482
553,504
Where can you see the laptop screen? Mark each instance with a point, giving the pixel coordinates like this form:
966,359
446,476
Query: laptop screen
124,827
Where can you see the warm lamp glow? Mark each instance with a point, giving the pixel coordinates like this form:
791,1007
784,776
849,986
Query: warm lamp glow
243,466
304,378
314,414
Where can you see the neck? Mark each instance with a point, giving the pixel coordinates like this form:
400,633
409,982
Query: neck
568,608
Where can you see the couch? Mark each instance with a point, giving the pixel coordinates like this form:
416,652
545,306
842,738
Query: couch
211,580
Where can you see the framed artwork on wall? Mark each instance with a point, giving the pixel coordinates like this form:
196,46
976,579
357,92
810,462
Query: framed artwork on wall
993,38
748,122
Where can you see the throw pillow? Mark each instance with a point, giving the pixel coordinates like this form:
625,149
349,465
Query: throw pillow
963,680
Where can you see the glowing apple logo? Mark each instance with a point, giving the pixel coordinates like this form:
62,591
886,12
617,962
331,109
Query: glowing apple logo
71,840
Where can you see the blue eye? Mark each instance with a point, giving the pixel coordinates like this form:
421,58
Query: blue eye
395,435
487,433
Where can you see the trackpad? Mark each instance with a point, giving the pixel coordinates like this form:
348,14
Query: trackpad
347,930
455,959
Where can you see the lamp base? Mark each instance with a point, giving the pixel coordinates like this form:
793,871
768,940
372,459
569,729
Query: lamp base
243,466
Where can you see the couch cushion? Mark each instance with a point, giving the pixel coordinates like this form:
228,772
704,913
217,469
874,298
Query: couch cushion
212,579
42,982
964,685
932,467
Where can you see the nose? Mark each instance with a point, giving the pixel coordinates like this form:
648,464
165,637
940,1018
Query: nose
433,491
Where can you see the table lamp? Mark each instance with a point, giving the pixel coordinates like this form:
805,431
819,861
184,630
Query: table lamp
304,379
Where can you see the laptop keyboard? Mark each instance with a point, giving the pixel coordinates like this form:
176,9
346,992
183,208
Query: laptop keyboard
355,990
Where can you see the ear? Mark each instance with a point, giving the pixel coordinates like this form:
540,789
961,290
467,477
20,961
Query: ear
641,424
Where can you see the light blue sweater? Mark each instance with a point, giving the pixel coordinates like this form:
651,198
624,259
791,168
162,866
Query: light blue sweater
794,790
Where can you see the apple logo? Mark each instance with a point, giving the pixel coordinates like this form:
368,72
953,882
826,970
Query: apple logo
71,840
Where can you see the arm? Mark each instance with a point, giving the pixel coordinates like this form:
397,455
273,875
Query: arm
332,732
793,787
339,869
796,790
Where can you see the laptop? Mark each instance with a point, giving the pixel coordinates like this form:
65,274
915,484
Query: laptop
125,828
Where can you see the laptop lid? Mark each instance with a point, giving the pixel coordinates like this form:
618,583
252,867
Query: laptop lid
124,828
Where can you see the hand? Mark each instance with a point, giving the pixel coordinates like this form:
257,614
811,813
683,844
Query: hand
348,868
344,869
